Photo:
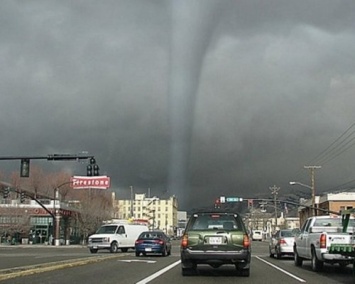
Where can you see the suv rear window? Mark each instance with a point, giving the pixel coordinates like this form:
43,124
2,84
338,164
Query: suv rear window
215,221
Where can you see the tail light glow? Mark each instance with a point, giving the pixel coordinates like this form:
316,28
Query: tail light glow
323,241
160,242
246,241
184,241
138,242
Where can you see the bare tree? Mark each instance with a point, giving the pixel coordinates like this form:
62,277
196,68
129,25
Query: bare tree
16,222
61,181
94,205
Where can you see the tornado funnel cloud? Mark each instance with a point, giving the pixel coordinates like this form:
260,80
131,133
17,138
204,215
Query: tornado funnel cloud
192,23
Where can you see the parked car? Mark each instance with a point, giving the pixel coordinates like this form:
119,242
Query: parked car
215,238
281,243
156,242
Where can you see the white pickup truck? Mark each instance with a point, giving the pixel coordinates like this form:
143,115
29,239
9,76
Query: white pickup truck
317,234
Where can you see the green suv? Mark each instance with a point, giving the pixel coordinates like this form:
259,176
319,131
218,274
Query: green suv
215,238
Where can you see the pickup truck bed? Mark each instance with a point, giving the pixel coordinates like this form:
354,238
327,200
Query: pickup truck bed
345,249
320,239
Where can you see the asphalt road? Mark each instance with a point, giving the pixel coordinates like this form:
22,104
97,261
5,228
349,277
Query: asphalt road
75,264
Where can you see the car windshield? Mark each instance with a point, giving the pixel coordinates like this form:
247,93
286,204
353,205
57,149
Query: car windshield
332,222
215,222
287,234
106,230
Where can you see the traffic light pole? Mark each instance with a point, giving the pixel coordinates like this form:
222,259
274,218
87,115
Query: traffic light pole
56,216
25,160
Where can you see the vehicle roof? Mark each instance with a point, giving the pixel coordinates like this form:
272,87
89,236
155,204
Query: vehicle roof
115,224
327,216
215,212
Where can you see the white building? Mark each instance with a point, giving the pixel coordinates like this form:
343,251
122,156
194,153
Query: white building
158,213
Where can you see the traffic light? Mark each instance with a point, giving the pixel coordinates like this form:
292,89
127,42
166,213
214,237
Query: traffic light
22,197
6,192
92,161
96,170
25,168
217,203
250,203
92,169
89,170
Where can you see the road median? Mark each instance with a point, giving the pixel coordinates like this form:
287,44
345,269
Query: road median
45,267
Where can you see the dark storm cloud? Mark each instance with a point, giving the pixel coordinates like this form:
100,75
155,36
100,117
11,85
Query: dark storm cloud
272,84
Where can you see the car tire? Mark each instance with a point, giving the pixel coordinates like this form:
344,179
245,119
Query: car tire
93,250
297,259
114,247
188,271
164,252
343,264
317,265
244,272
124,249
278,253
270,253
137,253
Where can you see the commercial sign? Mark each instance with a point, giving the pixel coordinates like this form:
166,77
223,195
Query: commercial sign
101,182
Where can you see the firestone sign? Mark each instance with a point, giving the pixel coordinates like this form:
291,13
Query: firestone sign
101,182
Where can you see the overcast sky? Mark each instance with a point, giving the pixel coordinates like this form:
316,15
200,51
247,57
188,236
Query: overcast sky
193,98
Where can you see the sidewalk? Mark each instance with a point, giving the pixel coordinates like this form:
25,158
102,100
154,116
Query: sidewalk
2,245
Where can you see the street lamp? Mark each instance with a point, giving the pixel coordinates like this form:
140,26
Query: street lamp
313,193
301,184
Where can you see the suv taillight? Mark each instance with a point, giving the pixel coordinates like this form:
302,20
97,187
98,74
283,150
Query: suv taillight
323,241
282,242
184,241
246,241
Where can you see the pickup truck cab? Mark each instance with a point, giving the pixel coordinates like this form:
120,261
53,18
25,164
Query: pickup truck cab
313,242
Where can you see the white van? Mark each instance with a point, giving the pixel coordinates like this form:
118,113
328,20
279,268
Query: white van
115,236
257,235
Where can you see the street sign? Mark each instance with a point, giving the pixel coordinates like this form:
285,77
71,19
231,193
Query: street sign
101,182
234,199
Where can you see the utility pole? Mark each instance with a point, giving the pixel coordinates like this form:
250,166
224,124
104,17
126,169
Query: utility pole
274,192
312,168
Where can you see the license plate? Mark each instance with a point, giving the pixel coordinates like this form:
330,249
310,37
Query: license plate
94,247
215,240
148,249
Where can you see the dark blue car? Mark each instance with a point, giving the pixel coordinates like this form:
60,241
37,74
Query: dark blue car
153,242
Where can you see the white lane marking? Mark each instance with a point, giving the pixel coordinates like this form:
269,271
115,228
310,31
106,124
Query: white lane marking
157,274
278,268
137,260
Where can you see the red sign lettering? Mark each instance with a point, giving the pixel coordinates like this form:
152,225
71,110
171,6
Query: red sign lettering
101,182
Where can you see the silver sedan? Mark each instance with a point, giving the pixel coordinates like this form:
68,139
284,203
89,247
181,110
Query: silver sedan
281,243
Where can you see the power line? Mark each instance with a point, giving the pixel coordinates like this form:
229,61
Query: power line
324,152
